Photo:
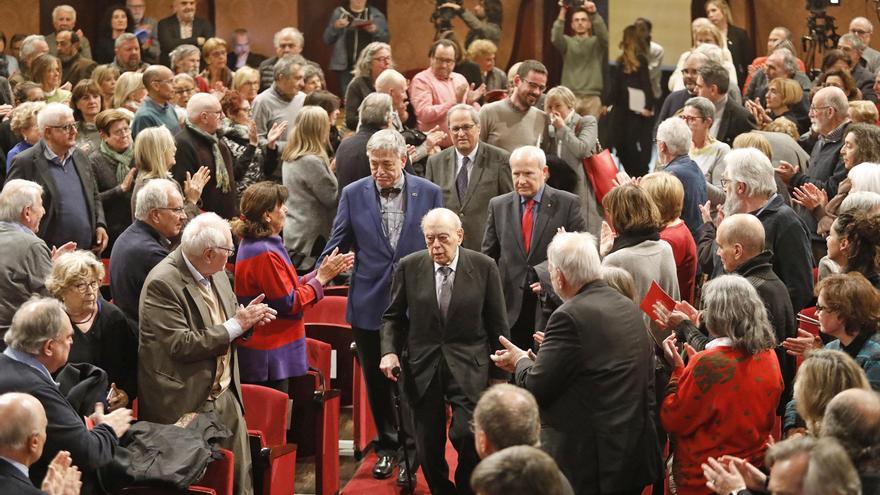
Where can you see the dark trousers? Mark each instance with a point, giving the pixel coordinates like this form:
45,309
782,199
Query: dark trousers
524,327
429,413
379,395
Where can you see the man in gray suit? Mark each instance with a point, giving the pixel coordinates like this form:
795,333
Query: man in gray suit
470,173
519,228
445,319
189,319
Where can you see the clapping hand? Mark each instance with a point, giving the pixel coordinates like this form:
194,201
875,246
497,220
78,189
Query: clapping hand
334,264
670,351
67,247
809,196
786,171
119,420
667,318
193,185
275,133
805,341
62,477
722,479
754,479
254,314
606,238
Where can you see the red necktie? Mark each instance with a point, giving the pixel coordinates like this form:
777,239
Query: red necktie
527,224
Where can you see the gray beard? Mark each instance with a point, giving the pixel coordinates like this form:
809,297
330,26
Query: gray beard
731,206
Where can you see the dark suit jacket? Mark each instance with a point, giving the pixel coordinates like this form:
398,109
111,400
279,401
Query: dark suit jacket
138,249
169,35
413,329
741,50
503,239
490,177
179,347
32,165
14,482
253,60
193,151
358,227
594,382
735,121
66,430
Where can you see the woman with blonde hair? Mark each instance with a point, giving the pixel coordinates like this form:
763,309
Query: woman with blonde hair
46,71
23,122
736,39
130,91
709,41
783,95
823,374
480,68
308,174
863,112
216,73
102,334
246,81
106,77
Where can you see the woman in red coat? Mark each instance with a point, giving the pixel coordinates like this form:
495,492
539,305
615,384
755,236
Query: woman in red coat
724,401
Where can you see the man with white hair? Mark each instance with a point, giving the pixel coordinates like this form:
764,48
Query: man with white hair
199,145
445,318
39,343
26,261
282,101
750,188
519,227
862,27
829,113
379,216
22,438
159,215
853,47
673,148
70,196
287,41
182,27
31,47
189,319
780,63
127,50
64,19
596,361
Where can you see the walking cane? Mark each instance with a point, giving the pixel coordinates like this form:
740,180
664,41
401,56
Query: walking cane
400,433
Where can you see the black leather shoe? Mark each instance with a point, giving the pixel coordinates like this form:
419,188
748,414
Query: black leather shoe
401,476
384,467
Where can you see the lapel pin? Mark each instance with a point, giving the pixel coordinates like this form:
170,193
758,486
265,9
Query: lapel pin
415,194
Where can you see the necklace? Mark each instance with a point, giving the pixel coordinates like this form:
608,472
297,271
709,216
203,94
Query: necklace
91,315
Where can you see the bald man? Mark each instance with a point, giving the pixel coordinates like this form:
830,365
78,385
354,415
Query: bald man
852,417
740,240
22,437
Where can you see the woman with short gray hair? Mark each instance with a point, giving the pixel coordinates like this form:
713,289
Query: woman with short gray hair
102,335
704,410
706,151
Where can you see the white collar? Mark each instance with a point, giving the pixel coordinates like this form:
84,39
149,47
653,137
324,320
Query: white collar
453,265
201,279
472,155
719,342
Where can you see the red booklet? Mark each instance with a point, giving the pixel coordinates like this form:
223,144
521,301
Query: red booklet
655,294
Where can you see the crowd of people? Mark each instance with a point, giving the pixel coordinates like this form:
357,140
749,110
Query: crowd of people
173,203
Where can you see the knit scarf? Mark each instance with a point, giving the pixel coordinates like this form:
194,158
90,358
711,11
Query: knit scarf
122,160
221,174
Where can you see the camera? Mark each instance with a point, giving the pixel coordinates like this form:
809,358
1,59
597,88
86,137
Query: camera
574,4
821,5
442,16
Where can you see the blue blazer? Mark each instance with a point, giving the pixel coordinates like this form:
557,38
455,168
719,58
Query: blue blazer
358,227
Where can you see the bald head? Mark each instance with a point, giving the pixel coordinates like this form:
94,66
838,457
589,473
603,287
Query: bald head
23,429
389,79
852,417
746,230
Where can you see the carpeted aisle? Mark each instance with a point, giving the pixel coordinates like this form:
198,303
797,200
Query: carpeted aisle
363,483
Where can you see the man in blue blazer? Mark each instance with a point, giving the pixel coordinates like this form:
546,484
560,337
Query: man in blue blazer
379,217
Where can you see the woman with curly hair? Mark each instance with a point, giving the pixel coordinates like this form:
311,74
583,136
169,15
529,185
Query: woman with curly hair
854,244
861,145
839,78
276,351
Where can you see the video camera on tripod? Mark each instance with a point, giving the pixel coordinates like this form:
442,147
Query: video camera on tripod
821,32
442,16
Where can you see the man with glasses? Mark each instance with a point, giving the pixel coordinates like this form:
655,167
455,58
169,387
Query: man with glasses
70,196
437,89
159,215
469,173
853,47
189,319
675,101
157,109
198,144
515,122
862,27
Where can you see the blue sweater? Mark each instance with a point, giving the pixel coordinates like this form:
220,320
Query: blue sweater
691,177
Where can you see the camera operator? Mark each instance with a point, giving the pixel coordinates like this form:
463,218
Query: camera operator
484,22
583,55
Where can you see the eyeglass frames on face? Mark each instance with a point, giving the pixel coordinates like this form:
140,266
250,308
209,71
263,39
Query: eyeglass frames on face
66,127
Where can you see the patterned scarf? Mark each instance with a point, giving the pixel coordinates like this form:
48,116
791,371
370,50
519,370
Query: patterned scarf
221,173
122,160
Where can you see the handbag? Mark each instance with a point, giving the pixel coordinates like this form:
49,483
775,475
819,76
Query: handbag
601,171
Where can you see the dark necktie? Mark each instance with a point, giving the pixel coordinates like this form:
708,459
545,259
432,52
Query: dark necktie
445,294
527,221
388,191
461,182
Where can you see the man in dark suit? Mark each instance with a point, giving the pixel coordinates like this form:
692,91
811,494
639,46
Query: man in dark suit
240,54
519,228
593,377
38,343
182,27
378,216
445,318
70,194
470,173
189,319
675,100
23,434
731,118
159,215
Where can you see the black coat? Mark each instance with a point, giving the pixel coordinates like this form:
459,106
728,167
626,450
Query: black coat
66,430
194,151
741,50
116,202
137,251
413,329
169,35
736,120
14,482
352,162
594,382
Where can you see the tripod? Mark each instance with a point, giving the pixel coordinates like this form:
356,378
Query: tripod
822,36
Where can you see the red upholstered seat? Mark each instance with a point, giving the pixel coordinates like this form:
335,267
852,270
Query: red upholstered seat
274,459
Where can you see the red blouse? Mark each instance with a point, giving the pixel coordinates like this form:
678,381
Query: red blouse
684,251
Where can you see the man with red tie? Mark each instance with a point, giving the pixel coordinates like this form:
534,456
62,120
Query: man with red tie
519,228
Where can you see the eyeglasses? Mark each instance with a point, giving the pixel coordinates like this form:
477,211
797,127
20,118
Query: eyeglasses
66,127
83,287
725,181
387,59
229,251
122,132
689,118
824,309
181,91
535,85
859,32
819,109
460,128
177,211
444,61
